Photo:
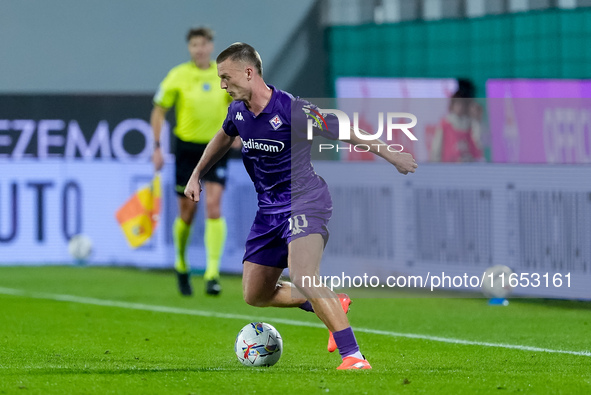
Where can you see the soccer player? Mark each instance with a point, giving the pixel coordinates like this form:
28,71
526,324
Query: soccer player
193,88
290,228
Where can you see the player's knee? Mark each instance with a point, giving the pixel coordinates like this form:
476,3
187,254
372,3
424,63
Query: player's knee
300,278
255,300
187,216
187,211
296,279
213,210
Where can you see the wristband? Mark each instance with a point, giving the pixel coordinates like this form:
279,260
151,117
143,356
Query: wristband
156,144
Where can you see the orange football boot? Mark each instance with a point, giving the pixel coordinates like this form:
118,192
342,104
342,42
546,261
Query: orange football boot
354,363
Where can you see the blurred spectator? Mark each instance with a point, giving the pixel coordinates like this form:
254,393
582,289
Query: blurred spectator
457,137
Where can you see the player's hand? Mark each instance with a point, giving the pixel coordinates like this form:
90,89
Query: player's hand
158,159
193,189
405,163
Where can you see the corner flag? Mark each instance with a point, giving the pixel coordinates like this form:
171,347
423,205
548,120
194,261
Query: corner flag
138,217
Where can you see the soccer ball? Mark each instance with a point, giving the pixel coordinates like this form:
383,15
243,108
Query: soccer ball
496,282
258,344
80,247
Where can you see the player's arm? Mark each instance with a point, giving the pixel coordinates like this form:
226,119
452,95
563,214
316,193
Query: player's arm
164,99
214,151
403,161
156,120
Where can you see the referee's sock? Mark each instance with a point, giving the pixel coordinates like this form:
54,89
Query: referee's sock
180,233
215,238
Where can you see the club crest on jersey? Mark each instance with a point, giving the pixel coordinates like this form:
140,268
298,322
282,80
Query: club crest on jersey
276,122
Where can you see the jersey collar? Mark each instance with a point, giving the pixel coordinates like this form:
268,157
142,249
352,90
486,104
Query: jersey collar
269,107
212,65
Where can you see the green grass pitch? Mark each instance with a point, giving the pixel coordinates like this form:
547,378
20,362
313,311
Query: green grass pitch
126,331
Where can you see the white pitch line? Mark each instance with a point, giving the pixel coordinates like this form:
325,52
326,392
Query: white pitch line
204,313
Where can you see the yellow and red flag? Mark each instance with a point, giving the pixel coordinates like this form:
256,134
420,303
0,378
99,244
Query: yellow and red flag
138,217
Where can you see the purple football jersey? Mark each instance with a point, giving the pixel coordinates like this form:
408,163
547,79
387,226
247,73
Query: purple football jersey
277,154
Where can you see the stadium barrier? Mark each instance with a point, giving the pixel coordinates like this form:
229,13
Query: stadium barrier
69,162
445,218
462,219
43,204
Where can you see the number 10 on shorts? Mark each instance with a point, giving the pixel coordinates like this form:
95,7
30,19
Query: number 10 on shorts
297,223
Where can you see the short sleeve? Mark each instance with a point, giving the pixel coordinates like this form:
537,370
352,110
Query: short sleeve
323,124
228,124
167,91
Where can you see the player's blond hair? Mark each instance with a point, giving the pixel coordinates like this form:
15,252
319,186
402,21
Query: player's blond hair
244,53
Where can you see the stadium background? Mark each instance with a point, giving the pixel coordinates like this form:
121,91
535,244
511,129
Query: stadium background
76,83
83,70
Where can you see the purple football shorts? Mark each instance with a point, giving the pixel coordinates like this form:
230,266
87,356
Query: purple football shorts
270,234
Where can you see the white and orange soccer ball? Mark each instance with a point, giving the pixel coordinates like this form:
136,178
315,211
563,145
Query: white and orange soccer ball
258,344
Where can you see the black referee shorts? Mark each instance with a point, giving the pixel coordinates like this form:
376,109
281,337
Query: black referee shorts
186,157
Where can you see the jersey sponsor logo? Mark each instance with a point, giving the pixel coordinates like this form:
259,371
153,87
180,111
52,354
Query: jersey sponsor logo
239,116
276,122
297,223
264,145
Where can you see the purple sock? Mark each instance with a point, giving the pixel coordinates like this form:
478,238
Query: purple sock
307,306
346,342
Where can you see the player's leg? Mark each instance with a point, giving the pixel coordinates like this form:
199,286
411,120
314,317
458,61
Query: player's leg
261,287
265,258
185,161
304,258
181,234
215,224
305,254
215,235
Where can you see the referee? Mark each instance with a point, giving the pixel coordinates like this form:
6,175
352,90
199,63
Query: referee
193,88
